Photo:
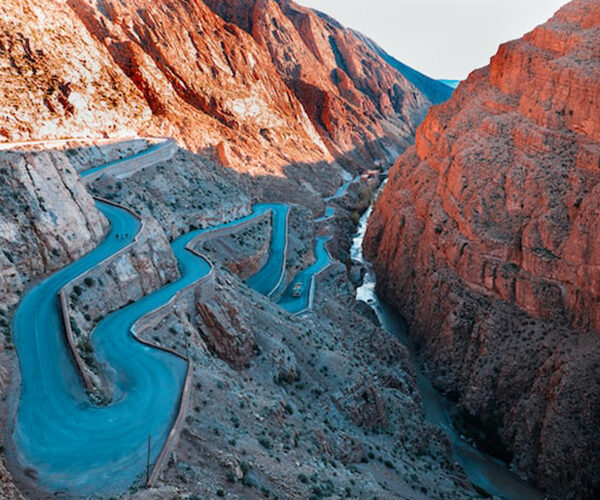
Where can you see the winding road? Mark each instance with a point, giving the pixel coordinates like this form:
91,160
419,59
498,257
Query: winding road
67,442
303,302
71,445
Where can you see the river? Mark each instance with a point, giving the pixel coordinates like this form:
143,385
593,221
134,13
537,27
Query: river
484,471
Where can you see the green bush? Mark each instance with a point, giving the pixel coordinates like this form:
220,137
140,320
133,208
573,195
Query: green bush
263,441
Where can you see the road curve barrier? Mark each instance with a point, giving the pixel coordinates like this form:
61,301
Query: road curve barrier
126,167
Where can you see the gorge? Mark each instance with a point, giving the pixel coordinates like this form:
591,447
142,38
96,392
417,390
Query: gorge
185,307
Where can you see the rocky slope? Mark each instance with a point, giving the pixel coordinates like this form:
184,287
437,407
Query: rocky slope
357,102
140,269
288,88
290,407
47,218
435,90
485,240
57,82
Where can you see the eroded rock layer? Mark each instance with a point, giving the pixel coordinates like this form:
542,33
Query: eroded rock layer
485,240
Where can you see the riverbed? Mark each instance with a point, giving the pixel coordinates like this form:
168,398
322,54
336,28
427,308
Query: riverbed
484,471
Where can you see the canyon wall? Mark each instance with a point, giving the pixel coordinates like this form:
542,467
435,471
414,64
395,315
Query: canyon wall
57,82
206,81
485,239
47,218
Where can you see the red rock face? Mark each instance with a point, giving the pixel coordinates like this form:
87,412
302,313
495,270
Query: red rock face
485,239
277,85
56,82
353,97
206,82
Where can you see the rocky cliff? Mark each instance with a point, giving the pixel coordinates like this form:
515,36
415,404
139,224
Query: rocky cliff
47,218
258,85
485,240
57,82
358,103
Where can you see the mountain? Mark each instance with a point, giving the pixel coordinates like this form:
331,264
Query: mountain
451,83
485,239
289,85
349,91
263,102
436,91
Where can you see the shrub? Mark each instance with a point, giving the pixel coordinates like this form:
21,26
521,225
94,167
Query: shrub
248,481
264,442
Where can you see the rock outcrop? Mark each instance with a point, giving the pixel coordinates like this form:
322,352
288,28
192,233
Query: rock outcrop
485,240
57,82
243,250
47,218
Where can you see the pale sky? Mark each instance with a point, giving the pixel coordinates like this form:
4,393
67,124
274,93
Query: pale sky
441,38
